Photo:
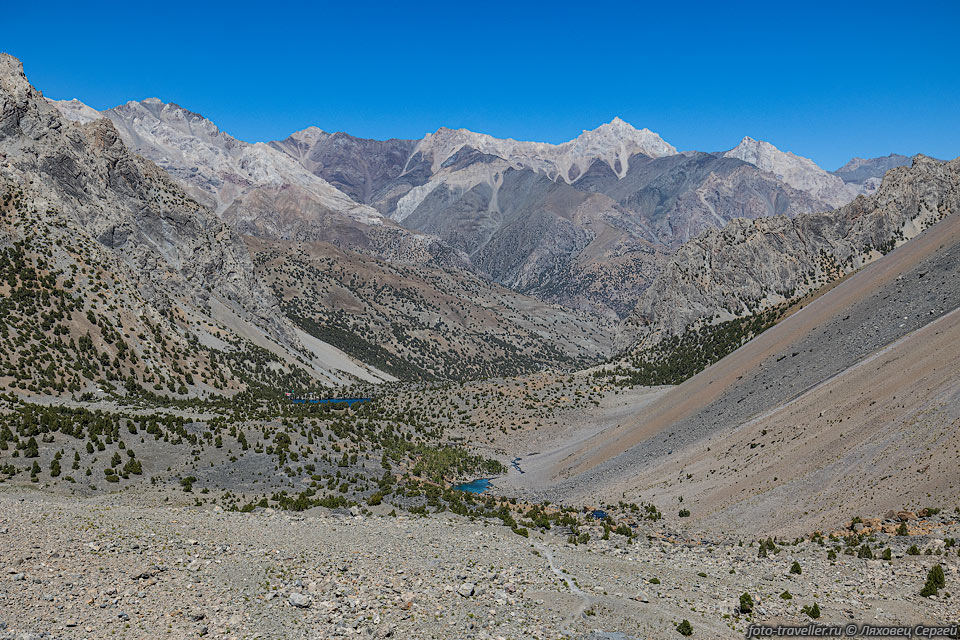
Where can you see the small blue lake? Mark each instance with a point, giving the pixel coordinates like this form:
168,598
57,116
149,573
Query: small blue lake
474,486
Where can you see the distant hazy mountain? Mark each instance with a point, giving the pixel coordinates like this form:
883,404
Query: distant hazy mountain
860,170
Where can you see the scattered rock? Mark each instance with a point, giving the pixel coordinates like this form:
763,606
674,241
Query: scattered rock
300,600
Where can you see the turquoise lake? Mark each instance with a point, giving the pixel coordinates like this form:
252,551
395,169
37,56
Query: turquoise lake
474,486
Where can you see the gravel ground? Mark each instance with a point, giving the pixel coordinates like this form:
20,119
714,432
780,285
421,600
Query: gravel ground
126,566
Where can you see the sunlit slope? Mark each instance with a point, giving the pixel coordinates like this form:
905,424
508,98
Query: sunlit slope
807,358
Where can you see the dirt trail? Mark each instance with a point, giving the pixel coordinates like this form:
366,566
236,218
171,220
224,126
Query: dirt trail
585,600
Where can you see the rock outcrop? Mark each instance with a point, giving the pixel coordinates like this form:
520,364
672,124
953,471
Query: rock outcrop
751,265
174,246
797,171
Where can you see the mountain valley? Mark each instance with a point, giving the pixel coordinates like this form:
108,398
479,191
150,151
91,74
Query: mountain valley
243,385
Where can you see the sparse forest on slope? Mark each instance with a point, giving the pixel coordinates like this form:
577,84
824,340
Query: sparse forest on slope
420,323
200,429
119,283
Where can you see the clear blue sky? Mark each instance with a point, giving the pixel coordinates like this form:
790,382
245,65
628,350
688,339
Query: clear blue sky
827,81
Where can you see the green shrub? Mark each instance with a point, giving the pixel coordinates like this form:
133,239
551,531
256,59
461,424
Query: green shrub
935,581
685,628
813,612
746,603
935,575
795,568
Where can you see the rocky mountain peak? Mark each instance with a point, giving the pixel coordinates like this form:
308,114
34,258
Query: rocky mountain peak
612,143
799,172
76,111
309,136
757,152
11,72
622,129
215,167
155,114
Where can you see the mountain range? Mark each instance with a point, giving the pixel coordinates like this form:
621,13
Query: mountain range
594,231
150,287
587,224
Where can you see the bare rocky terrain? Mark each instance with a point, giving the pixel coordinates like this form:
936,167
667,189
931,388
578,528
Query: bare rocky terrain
127,567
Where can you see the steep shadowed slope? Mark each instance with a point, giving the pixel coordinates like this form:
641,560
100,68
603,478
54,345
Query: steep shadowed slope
358,167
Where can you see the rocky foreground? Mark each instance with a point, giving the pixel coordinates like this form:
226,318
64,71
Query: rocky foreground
110,567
